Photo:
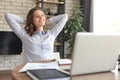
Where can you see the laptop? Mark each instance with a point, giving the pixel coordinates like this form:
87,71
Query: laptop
94,52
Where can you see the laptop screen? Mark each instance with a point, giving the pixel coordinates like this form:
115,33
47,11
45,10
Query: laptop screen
93,52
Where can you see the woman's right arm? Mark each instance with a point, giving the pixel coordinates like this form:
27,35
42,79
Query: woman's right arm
14,22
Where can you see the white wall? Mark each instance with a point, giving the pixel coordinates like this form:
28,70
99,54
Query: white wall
106,16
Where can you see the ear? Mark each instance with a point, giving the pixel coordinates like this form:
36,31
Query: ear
47,21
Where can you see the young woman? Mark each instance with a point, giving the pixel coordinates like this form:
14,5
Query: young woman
38,43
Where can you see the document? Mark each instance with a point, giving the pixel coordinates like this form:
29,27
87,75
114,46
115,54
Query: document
31,66
64,61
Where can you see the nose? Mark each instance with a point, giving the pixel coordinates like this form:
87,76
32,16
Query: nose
41,17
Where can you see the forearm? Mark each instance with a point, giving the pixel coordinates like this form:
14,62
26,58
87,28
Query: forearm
13,18
56,19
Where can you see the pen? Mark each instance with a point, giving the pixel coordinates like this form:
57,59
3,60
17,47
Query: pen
53,60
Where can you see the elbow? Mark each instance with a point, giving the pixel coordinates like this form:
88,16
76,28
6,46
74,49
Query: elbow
65,16
6,16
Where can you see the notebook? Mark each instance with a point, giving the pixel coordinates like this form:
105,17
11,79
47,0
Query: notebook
47,74
94,52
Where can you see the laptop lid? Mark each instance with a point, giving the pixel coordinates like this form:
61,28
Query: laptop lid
93,52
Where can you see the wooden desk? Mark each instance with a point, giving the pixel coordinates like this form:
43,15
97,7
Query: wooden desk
114,75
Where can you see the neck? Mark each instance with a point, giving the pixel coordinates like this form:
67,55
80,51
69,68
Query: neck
39,29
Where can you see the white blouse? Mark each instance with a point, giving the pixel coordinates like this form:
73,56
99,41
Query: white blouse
41,45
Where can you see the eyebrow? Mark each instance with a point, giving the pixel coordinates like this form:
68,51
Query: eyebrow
39,14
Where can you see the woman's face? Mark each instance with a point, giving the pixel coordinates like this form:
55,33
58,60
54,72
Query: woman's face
39,19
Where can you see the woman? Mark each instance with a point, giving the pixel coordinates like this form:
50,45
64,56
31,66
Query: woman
37,43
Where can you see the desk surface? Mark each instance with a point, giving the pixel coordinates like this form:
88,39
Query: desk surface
113,75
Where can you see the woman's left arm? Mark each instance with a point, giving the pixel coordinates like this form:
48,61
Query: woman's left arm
60,21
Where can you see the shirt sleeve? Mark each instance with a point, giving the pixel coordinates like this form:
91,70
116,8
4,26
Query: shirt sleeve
60,21
14,22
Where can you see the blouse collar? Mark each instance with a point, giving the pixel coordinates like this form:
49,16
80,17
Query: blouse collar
40,32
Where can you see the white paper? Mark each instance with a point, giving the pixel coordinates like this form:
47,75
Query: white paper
50,65
64,61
